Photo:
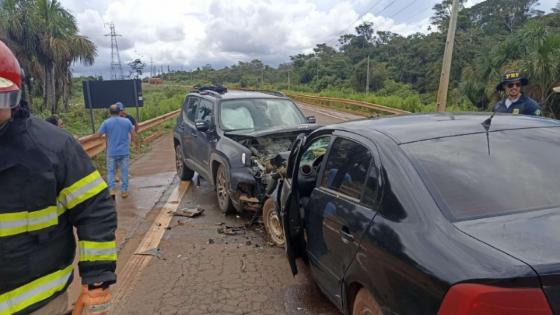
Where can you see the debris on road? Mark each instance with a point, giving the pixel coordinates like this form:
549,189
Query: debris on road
210,241
152,252
243,266
232,230
189,212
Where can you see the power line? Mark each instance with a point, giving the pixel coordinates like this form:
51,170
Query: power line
387,6
411,17
404,8
352,24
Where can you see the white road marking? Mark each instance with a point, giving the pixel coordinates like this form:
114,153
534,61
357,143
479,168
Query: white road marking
129,274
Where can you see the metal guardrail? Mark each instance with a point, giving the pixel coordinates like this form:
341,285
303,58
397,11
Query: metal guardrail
330,102
94,144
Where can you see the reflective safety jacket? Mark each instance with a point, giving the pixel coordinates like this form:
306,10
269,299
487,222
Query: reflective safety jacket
48,186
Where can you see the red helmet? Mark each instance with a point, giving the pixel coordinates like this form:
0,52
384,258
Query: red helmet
10,78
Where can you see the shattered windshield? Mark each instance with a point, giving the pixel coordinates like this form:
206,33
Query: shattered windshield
259,114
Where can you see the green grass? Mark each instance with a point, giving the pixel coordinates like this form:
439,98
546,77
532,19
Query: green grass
158,100
395,95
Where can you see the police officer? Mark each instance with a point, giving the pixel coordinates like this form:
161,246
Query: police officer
48,185
515,102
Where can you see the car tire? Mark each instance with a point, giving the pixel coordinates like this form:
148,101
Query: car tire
272,224
183,171
365,304
222,191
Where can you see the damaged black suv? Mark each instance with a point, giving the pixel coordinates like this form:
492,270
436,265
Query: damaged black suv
238,141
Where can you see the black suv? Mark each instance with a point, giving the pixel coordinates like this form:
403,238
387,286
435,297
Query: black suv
237,141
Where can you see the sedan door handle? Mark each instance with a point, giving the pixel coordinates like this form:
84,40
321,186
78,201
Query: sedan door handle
345,235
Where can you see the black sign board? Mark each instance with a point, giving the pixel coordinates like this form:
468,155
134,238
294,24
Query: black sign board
102,94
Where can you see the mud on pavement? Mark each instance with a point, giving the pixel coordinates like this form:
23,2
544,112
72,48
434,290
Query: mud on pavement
211,264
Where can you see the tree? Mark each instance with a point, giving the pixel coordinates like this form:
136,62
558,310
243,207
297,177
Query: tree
136,67
556,9
44,36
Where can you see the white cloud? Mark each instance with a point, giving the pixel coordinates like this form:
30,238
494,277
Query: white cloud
192,33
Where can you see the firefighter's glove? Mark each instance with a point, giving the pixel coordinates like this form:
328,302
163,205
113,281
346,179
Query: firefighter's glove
97,300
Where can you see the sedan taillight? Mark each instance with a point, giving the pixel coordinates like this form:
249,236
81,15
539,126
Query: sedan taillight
479,299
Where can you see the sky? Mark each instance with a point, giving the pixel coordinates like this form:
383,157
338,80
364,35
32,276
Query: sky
185,34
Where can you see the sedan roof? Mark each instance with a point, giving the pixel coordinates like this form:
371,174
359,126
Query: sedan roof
419,127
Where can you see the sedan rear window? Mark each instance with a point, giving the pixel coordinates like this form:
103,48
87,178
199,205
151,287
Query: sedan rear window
517,170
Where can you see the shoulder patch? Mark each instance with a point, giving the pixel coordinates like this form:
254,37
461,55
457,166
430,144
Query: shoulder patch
516,111
538,112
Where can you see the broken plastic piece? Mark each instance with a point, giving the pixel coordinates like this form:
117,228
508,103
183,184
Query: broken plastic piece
151,252
189,212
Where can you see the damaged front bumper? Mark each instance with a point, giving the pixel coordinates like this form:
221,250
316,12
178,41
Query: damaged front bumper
251,186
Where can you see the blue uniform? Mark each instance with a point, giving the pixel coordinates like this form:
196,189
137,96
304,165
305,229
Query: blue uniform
523,106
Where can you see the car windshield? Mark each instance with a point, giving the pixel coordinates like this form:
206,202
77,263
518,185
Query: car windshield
519,174
259,114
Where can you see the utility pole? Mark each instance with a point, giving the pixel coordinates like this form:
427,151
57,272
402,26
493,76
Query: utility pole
262,77
317,71
116,65
367,76
289,82
447,57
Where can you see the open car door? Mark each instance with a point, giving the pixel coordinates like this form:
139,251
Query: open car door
290,212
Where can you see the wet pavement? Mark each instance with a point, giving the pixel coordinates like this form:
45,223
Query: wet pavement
202,271
150,177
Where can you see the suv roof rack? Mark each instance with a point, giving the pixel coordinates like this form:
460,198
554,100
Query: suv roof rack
215,90
275,93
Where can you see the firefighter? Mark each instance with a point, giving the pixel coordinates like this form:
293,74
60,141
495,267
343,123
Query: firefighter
515,102
48,186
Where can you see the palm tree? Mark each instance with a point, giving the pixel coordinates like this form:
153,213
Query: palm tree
18,32
79,48
54,27
44,37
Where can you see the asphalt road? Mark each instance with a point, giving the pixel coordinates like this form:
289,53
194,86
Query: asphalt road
203,271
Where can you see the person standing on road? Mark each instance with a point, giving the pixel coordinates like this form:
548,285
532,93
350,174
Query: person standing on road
515,102
124,114
118,131
48,187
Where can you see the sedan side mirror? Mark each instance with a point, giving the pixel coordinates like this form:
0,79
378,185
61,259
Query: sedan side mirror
311,119
202,125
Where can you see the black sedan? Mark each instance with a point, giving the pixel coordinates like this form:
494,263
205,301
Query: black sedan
450,214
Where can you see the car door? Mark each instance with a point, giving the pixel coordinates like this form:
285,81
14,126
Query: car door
336,216
204,140
292,222
189,130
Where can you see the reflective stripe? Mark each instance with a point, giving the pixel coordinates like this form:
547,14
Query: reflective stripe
26,221
82,190
34,292
98,251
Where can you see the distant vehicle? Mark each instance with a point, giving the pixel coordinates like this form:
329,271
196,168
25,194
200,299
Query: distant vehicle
428,214
237,141
155,80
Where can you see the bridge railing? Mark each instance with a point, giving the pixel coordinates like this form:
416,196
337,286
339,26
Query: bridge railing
94,144
346,105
